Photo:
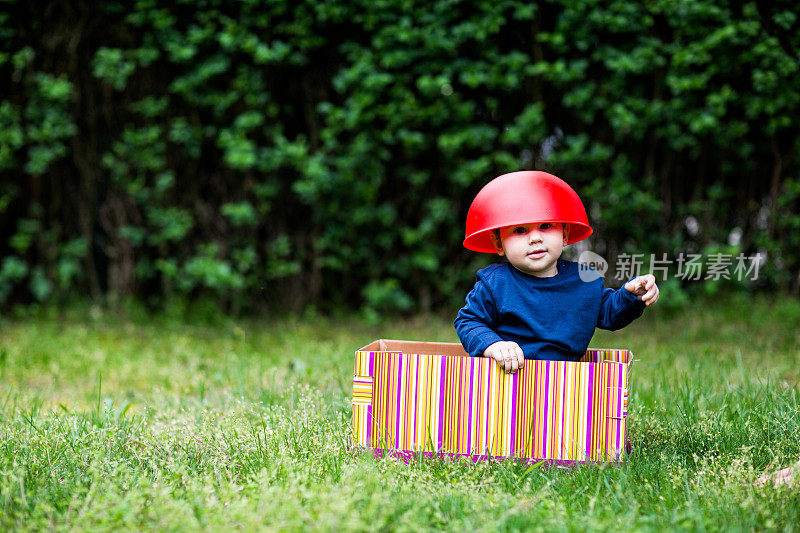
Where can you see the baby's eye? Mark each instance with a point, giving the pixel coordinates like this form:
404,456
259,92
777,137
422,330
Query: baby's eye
520,229
545,225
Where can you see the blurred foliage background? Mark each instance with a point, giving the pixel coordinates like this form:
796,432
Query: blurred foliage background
273,155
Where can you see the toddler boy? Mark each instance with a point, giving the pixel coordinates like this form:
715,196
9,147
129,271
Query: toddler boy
537,305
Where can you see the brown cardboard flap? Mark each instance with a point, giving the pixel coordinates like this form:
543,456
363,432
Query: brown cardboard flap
416,347
374,346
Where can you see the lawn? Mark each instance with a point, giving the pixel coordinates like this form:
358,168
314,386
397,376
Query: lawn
151,422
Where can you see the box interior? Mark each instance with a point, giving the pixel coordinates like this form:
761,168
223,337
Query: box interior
416,347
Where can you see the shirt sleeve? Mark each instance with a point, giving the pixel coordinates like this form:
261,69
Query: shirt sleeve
618,308
475,320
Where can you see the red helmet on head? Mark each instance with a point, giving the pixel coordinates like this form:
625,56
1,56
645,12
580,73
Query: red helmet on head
523,198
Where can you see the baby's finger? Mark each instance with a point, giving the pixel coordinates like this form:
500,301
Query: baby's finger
497,355
649,281
520,357
641,286
655,299
657,294
512,353
645,298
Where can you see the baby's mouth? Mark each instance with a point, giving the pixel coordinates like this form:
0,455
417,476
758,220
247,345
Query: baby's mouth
537,253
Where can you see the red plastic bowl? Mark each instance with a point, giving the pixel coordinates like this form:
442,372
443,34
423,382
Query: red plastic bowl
522,198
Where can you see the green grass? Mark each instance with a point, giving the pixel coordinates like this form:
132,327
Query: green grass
108,424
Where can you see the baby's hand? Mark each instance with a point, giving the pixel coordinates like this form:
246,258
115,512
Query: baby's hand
508,354
645,288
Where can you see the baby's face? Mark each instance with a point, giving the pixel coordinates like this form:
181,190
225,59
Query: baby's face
533,248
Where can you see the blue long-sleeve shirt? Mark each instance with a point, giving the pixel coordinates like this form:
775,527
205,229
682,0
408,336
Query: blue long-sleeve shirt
550,318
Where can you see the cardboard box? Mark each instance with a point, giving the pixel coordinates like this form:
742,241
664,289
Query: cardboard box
432,398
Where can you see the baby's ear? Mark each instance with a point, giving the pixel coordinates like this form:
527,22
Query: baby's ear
498,244
566,233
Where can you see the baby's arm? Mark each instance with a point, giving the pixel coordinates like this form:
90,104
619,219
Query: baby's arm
474,327
621,307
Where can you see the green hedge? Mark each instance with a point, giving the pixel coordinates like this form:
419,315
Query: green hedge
286,154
